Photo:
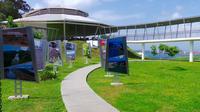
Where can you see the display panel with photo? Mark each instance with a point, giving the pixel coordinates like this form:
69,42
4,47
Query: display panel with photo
55,52
102,47
1,54
87,51
40,51
70,50
19,54
116,55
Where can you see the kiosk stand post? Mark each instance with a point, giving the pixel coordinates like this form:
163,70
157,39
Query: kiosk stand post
55,69
108,74
18,91
86,60
18,86
70,63
116,80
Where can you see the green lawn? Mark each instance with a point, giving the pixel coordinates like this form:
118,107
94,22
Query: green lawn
186,58
44,96
161,86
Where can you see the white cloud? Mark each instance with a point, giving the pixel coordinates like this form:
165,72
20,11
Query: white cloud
79,4
69,3
112,16
179,8
37,6
108,15
177,13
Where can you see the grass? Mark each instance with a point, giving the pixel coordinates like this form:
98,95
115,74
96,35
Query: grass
186,58
161,86
44,96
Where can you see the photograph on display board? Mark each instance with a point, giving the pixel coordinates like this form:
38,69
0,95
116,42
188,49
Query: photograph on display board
55,52
87,50
1,54
70,50
116,55
19,54
40,51
102,47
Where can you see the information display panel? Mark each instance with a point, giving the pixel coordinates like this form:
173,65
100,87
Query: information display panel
102,48
1,55
41,46
87,50
116,55
19,54
70,51
55,52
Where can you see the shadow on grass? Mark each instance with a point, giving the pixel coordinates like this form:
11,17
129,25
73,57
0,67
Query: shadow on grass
134,84
178,69
42,97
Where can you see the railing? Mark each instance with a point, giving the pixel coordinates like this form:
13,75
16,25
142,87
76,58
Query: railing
162,35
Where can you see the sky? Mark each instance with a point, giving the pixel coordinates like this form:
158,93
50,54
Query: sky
127,12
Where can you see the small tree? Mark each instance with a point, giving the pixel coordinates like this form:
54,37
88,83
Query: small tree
172,51
154,50
163,47
10,23
38,35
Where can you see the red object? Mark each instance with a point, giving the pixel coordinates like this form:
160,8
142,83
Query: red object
102,42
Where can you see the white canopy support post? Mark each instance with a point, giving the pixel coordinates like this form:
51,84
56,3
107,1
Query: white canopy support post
110,32
104,29
96,32
191,51
127,31
64,31
143,51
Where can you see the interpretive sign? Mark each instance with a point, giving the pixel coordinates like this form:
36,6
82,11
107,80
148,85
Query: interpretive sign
70,50
55,52
40,51
116,55
102,48
19,54
87,50
1,55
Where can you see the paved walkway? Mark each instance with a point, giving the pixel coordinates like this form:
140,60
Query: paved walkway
79,97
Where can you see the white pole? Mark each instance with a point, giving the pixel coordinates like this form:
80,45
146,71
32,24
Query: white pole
143,50
64,30
191,51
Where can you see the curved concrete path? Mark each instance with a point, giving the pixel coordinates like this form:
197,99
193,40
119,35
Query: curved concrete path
79,97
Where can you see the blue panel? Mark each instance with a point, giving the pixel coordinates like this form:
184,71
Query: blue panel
117,60
19,54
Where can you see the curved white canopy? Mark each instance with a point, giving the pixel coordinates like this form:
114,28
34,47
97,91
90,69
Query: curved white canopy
57,18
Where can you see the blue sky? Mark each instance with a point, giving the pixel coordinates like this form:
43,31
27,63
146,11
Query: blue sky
126,12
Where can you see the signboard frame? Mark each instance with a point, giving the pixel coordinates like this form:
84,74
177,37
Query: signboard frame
125,54
90,50
67,58
102,55
31,46
2,57
43,48
58,42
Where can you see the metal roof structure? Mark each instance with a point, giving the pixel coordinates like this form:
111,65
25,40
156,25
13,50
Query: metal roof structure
59,18
162,23
70,22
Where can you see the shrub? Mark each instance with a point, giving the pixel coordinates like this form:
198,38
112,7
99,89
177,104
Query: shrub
10,23
153,50
172,51
47,73
38,35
